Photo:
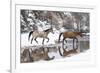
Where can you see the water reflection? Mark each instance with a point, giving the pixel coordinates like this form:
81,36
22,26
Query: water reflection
49,52
84,45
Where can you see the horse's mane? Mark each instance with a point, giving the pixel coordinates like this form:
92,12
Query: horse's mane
46,30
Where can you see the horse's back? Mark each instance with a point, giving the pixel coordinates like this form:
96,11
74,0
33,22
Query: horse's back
70,34
39,34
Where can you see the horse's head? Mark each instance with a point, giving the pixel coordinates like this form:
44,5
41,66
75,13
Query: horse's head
80,33
51,30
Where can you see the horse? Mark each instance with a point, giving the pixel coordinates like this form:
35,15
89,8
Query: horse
42,34
71,35
67,53
41,54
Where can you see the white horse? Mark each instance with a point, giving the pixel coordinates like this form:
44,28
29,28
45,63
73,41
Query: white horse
42,34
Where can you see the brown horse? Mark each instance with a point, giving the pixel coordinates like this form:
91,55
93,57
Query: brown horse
71,35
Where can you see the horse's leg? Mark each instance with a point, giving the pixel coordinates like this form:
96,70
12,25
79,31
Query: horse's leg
63,43
43,41
76,42
66,41
73,43
36,40
31,40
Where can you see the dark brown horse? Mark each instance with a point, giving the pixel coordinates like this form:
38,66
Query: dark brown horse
71,35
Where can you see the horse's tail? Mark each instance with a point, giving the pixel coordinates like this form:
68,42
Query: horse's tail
30,35
60,36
